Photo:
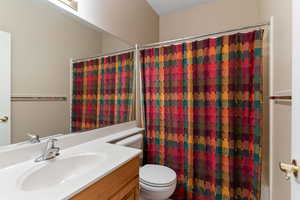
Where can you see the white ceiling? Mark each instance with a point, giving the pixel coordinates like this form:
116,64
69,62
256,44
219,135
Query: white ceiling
166,6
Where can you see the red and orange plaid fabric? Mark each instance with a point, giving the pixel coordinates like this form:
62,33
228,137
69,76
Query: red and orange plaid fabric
102,92
203,112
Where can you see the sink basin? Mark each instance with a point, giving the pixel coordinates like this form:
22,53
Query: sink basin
58,171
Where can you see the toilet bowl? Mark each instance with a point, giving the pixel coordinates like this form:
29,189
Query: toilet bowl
157,182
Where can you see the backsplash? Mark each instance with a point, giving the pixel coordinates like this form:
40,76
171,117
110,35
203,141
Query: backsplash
11,155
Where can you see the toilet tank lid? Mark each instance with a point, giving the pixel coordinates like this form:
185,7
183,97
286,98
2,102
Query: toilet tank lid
157,175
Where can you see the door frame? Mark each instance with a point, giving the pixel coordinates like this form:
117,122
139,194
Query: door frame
6,82
271,104
295,135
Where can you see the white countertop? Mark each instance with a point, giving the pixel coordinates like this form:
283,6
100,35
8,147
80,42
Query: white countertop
114,156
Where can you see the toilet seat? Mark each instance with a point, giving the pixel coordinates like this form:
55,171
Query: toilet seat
157,176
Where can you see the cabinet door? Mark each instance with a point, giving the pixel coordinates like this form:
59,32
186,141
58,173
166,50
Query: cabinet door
130,196
133,194
129,192
115,186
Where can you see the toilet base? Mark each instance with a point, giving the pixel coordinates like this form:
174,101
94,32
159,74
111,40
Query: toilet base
141,198
156,193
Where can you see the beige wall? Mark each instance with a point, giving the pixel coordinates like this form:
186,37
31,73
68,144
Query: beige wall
208,18
132,20
281,122
43,41
111,44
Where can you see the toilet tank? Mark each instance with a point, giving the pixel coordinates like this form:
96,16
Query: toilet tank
135,141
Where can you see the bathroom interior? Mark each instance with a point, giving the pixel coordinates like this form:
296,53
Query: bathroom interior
145,99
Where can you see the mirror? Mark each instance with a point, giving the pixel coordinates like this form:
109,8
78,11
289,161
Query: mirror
44,39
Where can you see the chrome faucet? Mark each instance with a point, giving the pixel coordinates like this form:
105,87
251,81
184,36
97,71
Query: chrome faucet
33,138
50,151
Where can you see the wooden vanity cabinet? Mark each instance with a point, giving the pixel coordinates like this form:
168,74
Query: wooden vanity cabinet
121,184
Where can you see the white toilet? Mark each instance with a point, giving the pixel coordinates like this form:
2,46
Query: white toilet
156,182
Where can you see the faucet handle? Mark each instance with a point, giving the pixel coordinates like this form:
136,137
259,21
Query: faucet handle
50,151
52,141
51,145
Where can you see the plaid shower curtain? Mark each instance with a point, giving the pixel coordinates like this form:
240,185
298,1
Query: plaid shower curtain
203,112
102,92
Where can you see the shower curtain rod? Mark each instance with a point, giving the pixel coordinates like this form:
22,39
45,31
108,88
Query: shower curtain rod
141,47
200,36
104,55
